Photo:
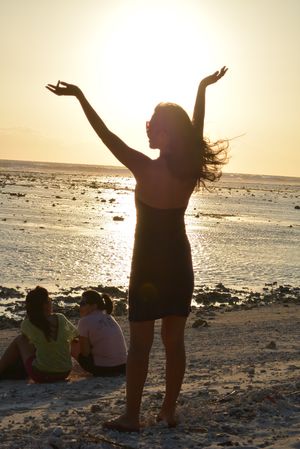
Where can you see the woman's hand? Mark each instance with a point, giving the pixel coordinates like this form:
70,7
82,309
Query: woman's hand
211,79
63,88
199,109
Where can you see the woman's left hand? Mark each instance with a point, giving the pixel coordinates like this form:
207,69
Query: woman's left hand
211,79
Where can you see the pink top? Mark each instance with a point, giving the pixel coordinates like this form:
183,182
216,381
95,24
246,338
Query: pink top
106,338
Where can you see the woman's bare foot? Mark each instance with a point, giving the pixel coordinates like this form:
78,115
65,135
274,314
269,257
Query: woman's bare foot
123,424
168,417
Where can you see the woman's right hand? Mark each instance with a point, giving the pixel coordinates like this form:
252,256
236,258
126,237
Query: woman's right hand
63,88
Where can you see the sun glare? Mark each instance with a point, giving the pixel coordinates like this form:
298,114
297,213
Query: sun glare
155,53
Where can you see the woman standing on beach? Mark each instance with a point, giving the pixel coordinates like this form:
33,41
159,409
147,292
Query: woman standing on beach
161,280
44,346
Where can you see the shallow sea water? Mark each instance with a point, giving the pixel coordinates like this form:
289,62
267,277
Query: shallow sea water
70,225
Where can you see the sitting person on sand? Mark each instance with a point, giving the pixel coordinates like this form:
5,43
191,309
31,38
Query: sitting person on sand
102,349
43,350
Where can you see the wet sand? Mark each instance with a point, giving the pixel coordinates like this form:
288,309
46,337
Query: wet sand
241,389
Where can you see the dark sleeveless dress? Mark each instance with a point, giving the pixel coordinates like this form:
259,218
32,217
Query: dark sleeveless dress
162,279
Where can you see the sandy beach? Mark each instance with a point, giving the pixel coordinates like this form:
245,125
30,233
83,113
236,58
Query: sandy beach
241,389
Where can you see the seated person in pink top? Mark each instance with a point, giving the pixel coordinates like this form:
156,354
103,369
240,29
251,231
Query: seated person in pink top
102,347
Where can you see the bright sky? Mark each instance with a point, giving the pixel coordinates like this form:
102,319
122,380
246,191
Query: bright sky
129,55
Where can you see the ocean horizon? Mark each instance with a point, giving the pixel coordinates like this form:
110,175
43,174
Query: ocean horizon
19,165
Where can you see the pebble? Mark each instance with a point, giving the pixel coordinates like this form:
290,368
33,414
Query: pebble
118,218
271,345
200,323
55,443
57,432
96,408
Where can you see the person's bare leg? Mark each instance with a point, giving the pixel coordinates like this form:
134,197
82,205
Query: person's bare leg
141,338
18,348
172,332
10,356
75,349
26,349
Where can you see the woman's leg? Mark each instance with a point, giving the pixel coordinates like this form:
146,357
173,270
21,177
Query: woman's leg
19,349
75,349
141,339
26,349
10,356
172,332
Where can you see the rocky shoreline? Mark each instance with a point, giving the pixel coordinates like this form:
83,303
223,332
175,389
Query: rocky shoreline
205,299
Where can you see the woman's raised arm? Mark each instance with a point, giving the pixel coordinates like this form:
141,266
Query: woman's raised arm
132,159
199,109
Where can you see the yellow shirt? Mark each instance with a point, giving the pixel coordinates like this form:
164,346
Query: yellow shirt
51,356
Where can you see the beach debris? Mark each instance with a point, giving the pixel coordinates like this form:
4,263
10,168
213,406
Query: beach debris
222,287
6,292
7,322
100,439
93,185
197,429
213,296
18,195
200,323
55,439
251,372
54,443
57,432
293,367
118,218
272,345
120,308
96,408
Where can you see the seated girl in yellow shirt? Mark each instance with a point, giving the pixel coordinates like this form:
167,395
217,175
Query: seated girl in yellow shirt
43,346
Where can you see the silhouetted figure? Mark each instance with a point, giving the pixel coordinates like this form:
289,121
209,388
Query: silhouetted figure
161,281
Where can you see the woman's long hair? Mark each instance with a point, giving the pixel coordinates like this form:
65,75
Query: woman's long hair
35,302
190,154
103,302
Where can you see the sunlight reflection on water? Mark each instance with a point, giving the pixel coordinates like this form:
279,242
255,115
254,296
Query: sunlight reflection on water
77,229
